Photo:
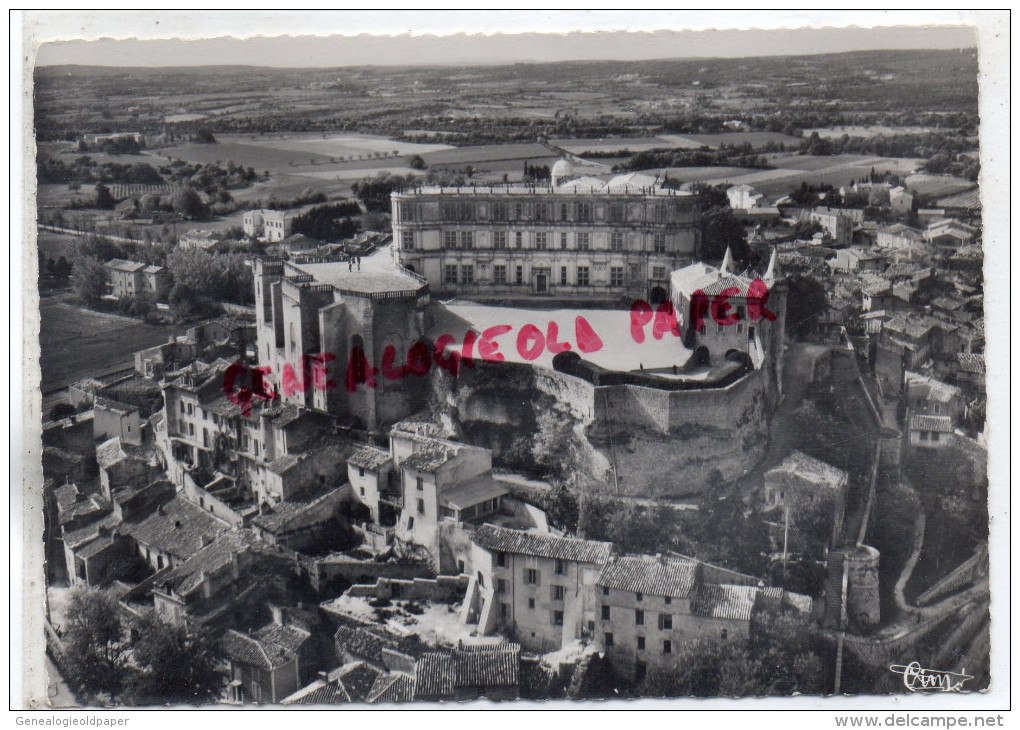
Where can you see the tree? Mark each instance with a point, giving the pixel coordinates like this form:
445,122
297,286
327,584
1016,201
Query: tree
416,162
90,277
104,200
204,136
189,204
95,651
61,411
722,230
806,300
175,664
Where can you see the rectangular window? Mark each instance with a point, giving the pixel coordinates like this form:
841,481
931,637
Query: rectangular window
615,276
519,278
410,523
499,274
499,239
532,577
640,643
561,567
449,239
605,591
669,600
499,211
519,239
667,647
658,272
558,592
467,240
616,241
557,618
421,506
583,241
541,241
191,429
500,585
582,276
531,603
501,560
451,274
407,240
361,471
639,617
605,612
467,274
362,491
609,639
724,633
617,213
665,622
563,275
934,435
563,241
584,212
191,409
182,406
659,243
563,212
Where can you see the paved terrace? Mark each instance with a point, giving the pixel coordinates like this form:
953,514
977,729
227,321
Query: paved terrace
618,352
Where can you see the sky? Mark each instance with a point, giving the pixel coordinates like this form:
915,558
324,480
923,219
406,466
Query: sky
465,37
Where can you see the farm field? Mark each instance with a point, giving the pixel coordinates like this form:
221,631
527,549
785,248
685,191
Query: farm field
80,342
815,162
245,154
487,153
869,131
339,145
612,144
939,185
755,139
699,174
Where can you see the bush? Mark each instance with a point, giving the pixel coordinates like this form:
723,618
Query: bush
62,411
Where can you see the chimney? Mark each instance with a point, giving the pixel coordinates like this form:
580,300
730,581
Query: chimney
177,524
324,676
204,540
161,510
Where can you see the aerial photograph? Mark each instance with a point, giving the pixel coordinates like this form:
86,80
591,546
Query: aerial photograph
584,379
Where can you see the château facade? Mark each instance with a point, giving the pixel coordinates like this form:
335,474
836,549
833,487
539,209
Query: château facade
583,239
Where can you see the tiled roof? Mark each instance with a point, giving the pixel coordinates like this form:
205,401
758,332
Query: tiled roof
971,363
125,265
800,465
485,666
474,491
96,546
290,638
929,388
395,687
88,385
429,457
246,649
282,464
369,457
117,407
724,601
939,424
82,535
280,514
176,528
500,539
359,679
673,577
361,642
320,692
435,674
186,578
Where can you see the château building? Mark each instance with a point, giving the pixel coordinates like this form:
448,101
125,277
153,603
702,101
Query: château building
580,239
